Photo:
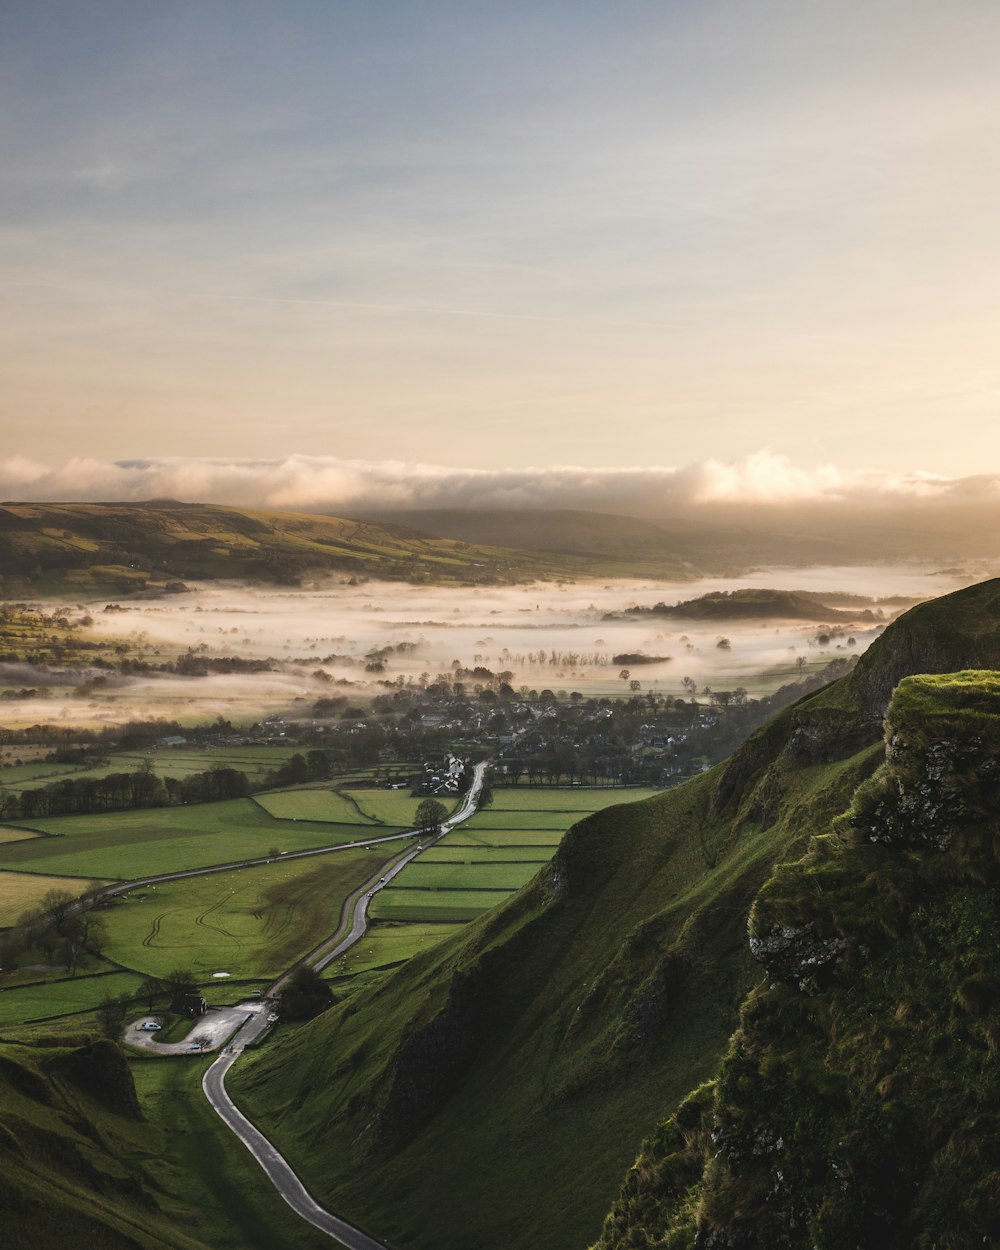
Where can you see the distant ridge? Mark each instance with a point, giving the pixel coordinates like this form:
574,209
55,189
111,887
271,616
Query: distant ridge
149,547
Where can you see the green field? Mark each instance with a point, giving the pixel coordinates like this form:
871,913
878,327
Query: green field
252,922
60,998
318,805
524,818
458,854
156,840
487,858
468,835
388,943
577,799
21,890
392,807
177,762
19,776
427,906
478,872
15,835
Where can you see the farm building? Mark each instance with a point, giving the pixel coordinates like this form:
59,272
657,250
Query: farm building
189,1005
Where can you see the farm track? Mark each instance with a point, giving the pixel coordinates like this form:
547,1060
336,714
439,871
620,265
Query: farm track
214,927
154,932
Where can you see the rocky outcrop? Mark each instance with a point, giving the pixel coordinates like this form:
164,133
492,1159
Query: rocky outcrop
432,1060
101,1070
857,1104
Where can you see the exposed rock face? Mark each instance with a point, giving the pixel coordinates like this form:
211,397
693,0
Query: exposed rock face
797,955
856,1108
432,1060
959,631
102,1071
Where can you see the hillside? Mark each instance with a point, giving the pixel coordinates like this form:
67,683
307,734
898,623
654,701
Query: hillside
857,1103
516,1067
112,549
70,1120
623,546
728,541
754,604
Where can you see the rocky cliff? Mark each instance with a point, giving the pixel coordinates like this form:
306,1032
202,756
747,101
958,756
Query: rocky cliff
857,1104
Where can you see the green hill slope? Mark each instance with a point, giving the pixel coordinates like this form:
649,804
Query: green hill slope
753,604
857,1104
71,1144
514,1068
84,548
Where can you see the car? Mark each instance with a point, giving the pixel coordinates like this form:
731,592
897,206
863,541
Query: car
150,1026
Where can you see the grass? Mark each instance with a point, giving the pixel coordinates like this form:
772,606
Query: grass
577,799
63,997
207,1178
127,845
392,807
15,835
596,996
475,873
452,854
388,943
427,906
490,836
253,922
20,891
317,805
524,819
170,762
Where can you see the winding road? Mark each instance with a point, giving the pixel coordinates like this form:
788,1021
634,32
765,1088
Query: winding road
354,923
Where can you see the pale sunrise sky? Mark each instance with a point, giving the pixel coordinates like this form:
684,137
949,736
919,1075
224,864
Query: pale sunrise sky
555,232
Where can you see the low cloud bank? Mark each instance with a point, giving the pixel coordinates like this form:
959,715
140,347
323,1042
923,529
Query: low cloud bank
311,483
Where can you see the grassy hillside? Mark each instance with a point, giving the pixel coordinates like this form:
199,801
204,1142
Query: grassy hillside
82,1165
515,1066
70,1120
754,604
857,1104
86,549
734,541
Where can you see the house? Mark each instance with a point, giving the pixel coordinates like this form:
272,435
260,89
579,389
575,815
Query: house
188,1005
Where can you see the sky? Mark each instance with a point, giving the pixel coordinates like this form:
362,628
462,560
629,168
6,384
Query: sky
754,240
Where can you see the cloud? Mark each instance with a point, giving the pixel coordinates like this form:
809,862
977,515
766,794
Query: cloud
762,481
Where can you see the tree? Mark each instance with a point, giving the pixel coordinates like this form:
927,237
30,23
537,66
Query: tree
430,814
305,995
624,675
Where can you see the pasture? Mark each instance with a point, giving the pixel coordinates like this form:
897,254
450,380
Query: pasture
457,854
476,872
62,998
392,807
21,890
525,818
469,834
326,806
485,859
577,799
251,922
126,845
388,943
179,762
15,835
427,906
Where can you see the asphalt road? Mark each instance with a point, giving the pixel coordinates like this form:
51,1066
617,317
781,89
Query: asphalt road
274,1164
352,928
